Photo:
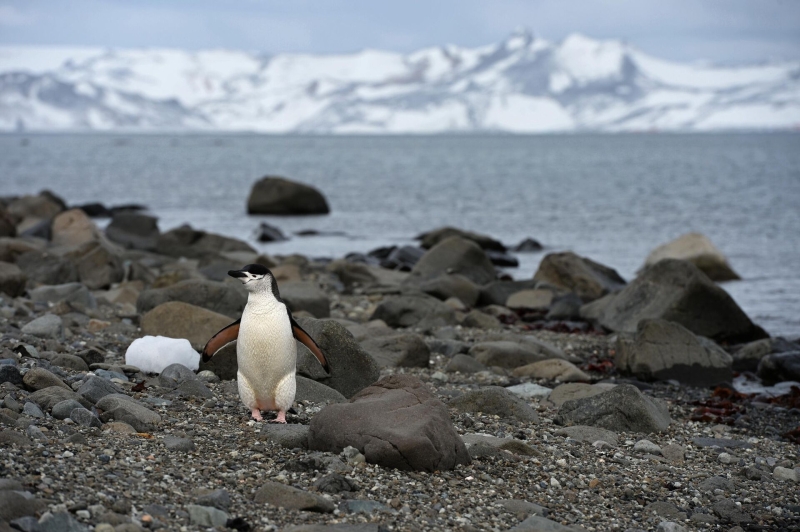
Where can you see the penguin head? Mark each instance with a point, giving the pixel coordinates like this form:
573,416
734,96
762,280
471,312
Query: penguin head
256,278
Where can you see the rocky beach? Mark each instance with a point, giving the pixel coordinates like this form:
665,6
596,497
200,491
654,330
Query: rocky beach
458,399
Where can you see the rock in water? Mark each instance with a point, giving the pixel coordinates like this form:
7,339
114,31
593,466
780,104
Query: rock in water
622,409
269,233
397,422
665,350
697,249
152,354
675,290
277,195
431,238
589,279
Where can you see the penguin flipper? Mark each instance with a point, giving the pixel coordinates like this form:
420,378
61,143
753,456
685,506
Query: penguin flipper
304,338
224,337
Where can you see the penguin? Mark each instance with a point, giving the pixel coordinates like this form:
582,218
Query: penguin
265,345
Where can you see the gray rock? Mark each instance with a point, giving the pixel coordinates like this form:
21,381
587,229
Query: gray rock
498,292
63,409
134,230
646,446
432,238
410,310
85,418
193,388
33,410
784,473
727,510
73,293
334,483
173,443
621,409
218,499
552,369
47,398
47,326
480,320
576,390
44,268
125,409
724,443
497,401
12,280
480,445
11,375
184,241
352,369
98,264
529,390
356,506
566,307
589,434
448,285
716,483
222,298
35,433
406,350
397,422
587,279
40,378
206,516
453,255
676,291
95,388
316,392
225,365
464,364
284,496
176,374
307,296
508,354
9,438
278,195
288,436
73,362
780,367
670,526
697,249
663,350
342,527
536,523
525,508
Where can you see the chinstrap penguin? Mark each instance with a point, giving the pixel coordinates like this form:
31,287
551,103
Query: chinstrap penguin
265,345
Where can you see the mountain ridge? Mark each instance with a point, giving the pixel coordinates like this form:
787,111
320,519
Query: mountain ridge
522,84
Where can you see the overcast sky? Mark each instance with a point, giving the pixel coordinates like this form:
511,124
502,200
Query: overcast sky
717,30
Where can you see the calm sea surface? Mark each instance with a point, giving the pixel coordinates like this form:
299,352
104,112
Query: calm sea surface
612,198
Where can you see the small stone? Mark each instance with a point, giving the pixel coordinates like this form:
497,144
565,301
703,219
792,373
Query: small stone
594,483
85,418
283,496
784,473
352,455
529,390
646,446
208,376
47,326
206,516
674,453
35,433
178,444
33,410
725,458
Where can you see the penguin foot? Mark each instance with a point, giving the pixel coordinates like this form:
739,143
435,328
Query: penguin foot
280,419
256,414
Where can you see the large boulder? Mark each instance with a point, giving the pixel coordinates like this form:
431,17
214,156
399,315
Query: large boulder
454,255
184,241
397,422
306,295
697,249
675,290
589,279
510,354
780,367
277,195
352,369
223,298
406,350
98,264
73,228
42,267
431,238
498,292
134,230
748,356
662,350
411,309
12,280
622,409
176,319
448,285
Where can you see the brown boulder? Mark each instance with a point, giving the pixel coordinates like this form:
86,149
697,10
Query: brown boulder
176,319
589,279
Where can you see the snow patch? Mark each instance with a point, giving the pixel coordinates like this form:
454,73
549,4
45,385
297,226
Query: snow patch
152,354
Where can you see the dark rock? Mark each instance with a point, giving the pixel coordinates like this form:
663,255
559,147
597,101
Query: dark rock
497,292
316,392
504,260
509,354
63,409
176,319
306,295
10,374
40,378
677,291
224,363
218,499
47,398
566,307
14,504
335,483
98,265
665,509
95,210
85,418
529,245
184,445
724,443
193,388
397,422
405,350
12,280
222,298
480,320
622,409
400,258
95,388
269,233
288,436
727,510
206,516
450,256
72,362
464,364
277,195
125,409
716,483
284,496
780,367
176,374
42,229
352,369
41,206
588,434
32,410
10,437
663,350
448,285
432,238
73,293
410,310
495,400
536,523
134,230
184,241
586,278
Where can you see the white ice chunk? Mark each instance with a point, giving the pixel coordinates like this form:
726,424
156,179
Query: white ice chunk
152,354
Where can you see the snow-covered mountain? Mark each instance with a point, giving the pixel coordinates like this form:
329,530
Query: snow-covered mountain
523,84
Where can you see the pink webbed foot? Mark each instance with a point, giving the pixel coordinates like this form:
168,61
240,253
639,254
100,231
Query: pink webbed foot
281,418
256,414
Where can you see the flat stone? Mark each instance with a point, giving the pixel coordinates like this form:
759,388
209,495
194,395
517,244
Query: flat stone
536,523
40,378
33,410
47,326
218,499
464,364
288,436
646,447
291,498
95,388
356,506
124,408
316,392
206,516
588,434
13,505
529,390
553,369
47,398
10,437
495,400
784,473
721,442
173,443
520,507
621,409
406,350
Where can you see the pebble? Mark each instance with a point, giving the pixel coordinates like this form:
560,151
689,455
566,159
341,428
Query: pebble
646,446
33,410
725,458
784,473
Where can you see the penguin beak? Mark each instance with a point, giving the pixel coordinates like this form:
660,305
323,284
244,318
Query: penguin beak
237,274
